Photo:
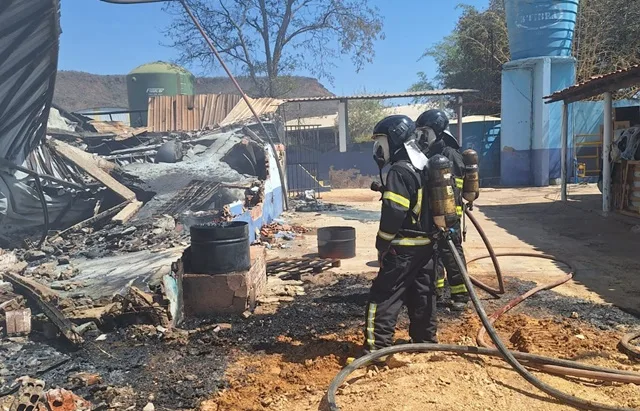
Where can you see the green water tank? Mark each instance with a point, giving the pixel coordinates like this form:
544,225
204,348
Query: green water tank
155,79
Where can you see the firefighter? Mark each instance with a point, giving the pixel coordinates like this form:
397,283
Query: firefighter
435,138
400,238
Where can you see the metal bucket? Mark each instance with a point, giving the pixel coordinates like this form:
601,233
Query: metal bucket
220,248
337,242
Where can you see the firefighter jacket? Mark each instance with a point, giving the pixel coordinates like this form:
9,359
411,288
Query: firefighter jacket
457,169
402,211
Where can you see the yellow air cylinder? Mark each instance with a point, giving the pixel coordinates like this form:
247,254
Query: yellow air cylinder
441,197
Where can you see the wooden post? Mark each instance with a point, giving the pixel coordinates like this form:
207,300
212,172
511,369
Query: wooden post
606,148
563,151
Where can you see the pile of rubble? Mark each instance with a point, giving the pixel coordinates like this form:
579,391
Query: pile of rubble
272,235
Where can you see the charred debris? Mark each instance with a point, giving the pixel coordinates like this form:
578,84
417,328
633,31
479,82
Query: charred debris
92,224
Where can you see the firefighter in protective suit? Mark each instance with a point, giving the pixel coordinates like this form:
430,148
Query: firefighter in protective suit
435,138
400,238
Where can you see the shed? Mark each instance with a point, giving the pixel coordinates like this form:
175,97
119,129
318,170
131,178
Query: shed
600,85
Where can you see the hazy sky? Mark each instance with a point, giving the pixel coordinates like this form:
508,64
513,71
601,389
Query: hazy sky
105,38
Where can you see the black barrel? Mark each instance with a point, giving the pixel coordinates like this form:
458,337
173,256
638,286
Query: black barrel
337,242
220,248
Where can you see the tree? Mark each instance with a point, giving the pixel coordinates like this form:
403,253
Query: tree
607,37
423,84
270,39
363,116
472,57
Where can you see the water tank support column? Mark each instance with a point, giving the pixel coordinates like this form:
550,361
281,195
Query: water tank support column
563,151
606,148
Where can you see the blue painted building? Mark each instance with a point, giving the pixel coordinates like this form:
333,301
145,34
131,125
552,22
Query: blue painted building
540,40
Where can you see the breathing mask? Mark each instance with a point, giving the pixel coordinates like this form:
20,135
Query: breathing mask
381,150
426,136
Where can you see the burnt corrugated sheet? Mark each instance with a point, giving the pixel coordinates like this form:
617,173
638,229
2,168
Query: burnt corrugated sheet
189,113
241,112
29,38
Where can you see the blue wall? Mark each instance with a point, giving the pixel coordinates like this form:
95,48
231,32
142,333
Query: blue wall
359,156
531,129
586,117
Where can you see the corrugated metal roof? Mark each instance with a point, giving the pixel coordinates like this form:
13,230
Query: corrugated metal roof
413,111
189,113
410,110
29,50
597,85
241,112
383,96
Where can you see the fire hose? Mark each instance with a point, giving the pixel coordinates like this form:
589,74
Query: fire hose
542,363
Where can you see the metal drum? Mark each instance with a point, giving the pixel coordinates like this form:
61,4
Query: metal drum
220,248
337,242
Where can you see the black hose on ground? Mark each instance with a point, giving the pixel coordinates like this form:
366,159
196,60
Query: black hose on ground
508,356
502,351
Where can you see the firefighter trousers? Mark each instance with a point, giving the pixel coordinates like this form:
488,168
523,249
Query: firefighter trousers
401,281
446,259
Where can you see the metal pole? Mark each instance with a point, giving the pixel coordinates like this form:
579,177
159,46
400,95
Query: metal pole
606,148
244,97
460,120
563,151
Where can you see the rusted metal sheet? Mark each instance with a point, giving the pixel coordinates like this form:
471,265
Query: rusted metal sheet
29,50
241,112
189,113
597,85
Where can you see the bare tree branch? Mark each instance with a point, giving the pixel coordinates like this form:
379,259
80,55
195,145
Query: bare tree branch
271,39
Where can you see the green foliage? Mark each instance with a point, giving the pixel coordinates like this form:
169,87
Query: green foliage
422,84
363,116
607,38
472,57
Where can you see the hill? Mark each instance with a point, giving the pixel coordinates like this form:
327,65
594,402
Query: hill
78,90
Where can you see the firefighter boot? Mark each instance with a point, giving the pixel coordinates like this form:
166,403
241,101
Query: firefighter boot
459,301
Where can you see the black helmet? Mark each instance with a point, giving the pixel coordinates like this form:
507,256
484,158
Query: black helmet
397,128
436,119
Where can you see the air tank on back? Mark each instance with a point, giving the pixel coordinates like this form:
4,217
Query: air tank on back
540,28
155,79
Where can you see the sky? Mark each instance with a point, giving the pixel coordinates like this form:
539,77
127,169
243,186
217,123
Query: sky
104,38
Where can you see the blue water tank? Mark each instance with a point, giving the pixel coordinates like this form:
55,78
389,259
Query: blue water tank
539,28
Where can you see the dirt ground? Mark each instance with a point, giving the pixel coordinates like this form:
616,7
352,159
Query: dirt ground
582,320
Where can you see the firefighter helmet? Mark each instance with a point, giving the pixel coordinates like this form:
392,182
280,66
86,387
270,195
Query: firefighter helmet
390,135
